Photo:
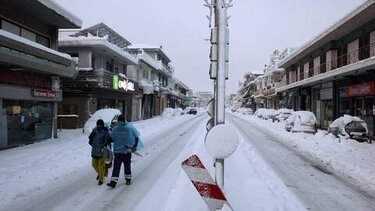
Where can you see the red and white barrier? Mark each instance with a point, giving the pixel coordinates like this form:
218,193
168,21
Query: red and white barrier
203,182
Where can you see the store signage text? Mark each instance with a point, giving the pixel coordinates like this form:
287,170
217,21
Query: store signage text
119,83
364,89
43,93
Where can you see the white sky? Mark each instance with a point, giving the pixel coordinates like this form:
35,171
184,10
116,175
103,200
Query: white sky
257,28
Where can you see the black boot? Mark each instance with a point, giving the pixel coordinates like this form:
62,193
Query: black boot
112,184
128,182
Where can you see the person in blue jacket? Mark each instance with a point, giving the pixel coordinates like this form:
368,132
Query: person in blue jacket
98,139
125,139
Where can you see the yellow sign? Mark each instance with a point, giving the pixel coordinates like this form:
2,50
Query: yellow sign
16,109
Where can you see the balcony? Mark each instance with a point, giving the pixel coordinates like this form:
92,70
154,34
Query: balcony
28,55
99,78
352,57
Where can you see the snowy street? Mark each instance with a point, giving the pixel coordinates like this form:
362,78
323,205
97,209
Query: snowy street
316,186
264,173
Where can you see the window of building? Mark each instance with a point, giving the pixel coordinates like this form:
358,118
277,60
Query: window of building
93,61
9,27
28,35
25,33
67,109
125,69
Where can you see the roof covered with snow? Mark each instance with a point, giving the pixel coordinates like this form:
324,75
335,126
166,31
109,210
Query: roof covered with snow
45,11
102,30
98,42
149,48
359,16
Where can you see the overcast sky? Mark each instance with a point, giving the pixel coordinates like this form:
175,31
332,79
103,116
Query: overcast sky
257,28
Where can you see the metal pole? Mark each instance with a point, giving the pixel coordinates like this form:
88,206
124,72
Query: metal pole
221,26
220,22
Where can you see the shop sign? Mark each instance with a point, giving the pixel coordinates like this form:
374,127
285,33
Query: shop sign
124,84
364,89
43,93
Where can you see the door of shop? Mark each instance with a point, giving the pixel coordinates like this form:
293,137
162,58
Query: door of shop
364,108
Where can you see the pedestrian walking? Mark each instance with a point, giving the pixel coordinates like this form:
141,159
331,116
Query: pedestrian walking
125,140
98,139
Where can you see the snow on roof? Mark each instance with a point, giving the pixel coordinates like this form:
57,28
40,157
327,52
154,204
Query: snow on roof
92,41
33,44
101,30
143,46
62,11
148,47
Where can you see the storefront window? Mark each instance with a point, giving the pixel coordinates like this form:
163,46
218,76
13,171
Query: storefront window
28,121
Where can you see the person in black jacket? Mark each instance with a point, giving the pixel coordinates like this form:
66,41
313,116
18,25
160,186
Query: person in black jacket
98,139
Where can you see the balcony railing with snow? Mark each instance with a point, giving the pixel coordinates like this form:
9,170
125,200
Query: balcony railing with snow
352,57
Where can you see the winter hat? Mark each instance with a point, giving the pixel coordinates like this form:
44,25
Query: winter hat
100,122
121,118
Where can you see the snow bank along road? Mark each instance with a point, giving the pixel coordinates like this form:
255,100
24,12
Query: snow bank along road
80,192
315,186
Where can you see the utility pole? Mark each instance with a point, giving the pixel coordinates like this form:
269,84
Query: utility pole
219,73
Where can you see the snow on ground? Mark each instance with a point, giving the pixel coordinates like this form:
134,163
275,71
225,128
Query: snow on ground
347,157
37,167
250,184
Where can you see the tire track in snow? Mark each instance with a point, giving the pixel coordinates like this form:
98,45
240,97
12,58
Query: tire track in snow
317,189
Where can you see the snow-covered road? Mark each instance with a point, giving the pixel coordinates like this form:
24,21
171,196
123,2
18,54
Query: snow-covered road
262,174
317,187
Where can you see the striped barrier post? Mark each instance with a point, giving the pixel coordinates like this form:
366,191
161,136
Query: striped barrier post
203,182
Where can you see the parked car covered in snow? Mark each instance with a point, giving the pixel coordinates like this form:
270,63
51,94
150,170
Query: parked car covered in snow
350,126
245,111
265,113
281,115
301,121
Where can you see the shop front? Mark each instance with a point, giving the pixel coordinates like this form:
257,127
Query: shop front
28,106
359,100
84,101
322,104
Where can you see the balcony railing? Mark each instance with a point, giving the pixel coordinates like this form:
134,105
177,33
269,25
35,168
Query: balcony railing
343,60
100,78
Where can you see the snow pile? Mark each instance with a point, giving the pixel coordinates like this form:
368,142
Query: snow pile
39,168
348,158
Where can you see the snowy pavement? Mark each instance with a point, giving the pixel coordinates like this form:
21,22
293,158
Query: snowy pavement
348,158
317,187
57,175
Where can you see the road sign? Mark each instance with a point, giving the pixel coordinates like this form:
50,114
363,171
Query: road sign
221,141
203,183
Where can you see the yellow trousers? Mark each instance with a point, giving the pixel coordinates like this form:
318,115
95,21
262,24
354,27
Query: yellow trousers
99,165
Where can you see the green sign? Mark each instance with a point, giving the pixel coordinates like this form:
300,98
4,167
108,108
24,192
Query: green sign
115,82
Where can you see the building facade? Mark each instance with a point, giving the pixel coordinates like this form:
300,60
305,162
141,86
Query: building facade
31,69
104,79
334,74
157,84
